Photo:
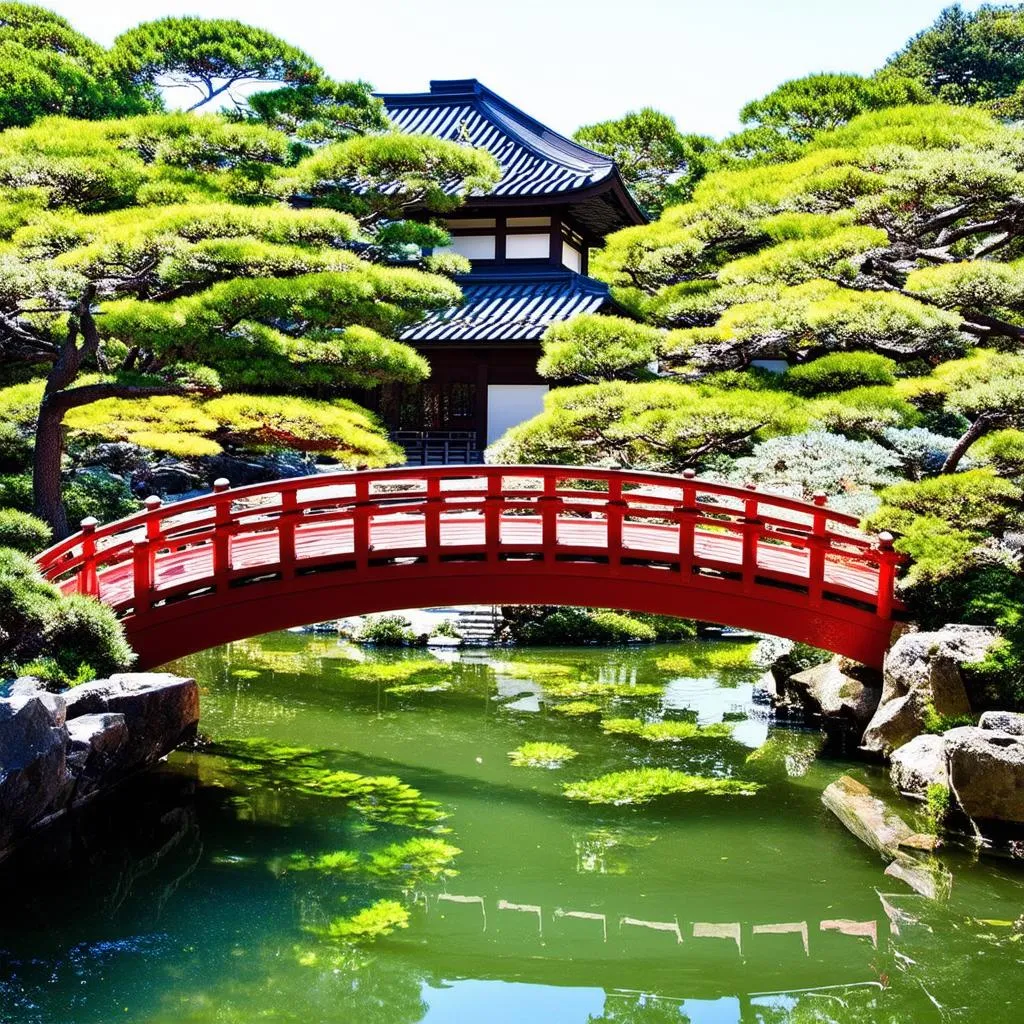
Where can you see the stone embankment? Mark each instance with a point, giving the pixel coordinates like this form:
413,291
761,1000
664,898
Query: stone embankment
59,750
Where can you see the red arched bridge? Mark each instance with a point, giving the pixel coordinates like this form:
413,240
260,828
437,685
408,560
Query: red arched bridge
243,561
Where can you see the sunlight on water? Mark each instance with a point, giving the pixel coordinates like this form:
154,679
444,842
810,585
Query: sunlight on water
356,844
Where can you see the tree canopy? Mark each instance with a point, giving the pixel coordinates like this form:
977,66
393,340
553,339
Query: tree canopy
659,163
164,256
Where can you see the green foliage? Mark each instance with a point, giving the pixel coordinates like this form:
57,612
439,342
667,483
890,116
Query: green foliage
208,56
414,861
937,724
591,347
387,631
15,448
657,425
577,708
937,807
799,109
707,658
664,731
840,372
642,785
977,502
542,755
46,67
23,532
1003,450
660,164
798,658
554,627
371,923
95,494
75,635
969,57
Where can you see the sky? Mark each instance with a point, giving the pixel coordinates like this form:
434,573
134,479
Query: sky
567,62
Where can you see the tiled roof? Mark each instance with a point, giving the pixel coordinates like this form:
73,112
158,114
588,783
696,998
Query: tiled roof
511,308
535,160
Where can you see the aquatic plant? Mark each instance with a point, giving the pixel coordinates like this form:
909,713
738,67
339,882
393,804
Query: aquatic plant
415,860
419,670
338,862
641,785
536,671
581,688
708,658
372,922
244,673
665,732
541,755
407,689
577,708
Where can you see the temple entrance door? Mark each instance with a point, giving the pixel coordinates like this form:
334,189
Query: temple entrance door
509,404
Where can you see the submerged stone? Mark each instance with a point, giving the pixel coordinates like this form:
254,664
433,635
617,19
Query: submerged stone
866,816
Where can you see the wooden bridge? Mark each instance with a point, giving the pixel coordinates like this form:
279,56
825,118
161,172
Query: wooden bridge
243,561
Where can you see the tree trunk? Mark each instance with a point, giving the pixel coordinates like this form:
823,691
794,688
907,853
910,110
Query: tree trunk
46,468
981,426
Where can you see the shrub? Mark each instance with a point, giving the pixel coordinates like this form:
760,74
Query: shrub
67,639
22,531
94,493
387,631
85,632
840,371
15,449
976,501
565,626
1003,450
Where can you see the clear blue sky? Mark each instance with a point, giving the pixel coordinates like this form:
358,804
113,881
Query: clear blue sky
568,62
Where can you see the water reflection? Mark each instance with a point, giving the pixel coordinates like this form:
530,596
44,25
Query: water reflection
184,898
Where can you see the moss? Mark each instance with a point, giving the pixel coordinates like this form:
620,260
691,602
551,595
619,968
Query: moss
937,804
541,755
938,723
577,708
664,732
641,785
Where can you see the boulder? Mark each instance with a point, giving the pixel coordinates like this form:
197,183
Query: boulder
94,745
986,773
34,777
160,711
918,764
1003,721
840,695
866,816
924,674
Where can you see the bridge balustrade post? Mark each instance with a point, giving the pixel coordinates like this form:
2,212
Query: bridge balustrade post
751,536
153,521
432,519
221,528
819,544
492,516
361,525
142,573
615,512
687,513
887,559
549,504
286,523
88,580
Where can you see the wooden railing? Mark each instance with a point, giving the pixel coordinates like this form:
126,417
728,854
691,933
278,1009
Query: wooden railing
375,521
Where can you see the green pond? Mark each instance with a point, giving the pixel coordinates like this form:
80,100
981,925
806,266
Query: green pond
353,842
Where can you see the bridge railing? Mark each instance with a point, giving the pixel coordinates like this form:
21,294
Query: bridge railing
376,520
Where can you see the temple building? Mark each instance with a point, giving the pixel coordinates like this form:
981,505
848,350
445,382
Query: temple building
528,241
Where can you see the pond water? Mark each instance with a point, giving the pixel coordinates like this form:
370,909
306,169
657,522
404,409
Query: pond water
355,844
